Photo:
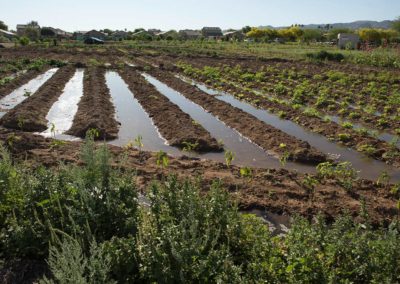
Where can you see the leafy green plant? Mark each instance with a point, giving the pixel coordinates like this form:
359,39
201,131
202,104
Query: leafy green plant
139,142
343,172
229,157
162,159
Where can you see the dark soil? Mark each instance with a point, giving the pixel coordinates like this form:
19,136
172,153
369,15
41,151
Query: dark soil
174,125
383,151
95,110
264,135
30,115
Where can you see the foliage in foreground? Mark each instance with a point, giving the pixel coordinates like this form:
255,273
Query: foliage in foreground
87,222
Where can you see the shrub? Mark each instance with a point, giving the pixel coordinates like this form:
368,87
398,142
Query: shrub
325,55
24,41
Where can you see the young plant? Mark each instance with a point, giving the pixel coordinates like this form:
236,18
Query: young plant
229,157
190,147
162,159
139,142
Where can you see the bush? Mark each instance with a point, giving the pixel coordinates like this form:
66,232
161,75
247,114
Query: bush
24,41
325,55
86,219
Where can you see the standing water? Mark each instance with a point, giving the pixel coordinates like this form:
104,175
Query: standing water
22,93
368,168
247,153
62,112
134,120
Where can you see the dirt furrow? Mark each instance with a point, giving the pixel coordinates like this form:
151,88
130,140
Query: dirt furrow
372,147
95,110
174,125
30,115
264,135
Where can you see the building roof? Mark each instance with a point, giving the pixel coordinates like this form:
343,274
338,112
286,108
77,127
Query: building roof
7,32
190,32
232,33
212,31
27,26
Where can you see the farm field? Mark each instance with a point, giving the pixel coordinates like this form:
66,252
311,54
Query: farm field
284,135
264,117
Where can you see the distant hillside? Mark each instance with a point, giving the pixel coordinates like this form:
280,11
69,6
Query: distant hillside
353,25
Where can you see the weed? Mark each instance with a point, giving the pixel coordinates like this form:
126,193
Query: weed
229,157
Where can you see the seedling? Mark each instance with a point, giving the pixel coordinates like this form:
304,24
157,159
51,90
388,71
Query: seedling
383,178
246,172
139,142
284,158
53,129
162,159
229,157
190,147
20,123
27,94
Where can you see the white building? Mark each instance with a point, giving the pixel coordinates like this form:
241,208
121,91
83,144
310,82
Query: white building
348,41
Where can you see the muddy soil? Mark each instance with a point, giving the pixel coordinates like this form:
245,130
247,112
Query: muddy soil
30,115
19,81
277,191
174,125
264,135
95,110
253,62
383,150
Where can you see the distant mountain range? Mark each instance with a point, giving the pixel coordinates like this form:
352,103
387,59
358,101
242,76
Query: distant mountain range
352,25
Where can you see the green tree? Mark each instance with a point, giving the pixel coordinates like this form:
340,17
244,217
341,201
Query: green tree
3,26
24,41
32,33
396,24
246,29
312,35
47,32
333,33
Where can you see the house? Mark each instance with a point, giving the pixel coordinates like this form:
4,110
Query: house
212,32
169,35
350,41
50,32
95,34
142,35
119,35
7,34
22,28
190,34
154,31
234,36
79,35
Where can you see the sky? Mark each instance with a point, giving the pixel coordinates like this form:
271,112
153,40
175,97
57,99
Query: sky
72,15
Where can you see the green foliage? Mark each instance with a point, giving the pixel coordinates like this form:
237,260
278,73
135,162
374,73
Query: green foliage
229,157
69,264
325,55
162,159
344,173
24,41
85,202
